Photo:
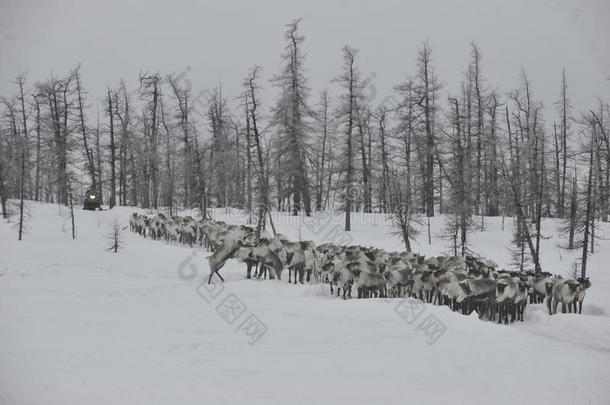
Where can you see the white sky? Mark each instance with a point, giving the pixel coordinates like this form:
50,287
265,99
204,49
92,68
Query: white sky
221,40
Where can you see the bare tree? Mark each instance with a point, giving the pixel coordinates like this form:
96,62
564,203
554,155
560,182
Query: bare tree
586,223
22,180
150,87
350,81
115,236
564,111
290,114
426,89
182,96
382,121
110,111
251,100
84,130
323,149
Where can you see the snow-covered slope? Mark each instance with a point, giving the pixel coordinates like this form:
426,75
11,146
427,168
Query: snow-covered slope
79,324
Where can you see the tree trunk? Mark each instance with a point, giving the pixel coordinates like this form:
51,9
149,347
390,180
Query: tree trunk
112,201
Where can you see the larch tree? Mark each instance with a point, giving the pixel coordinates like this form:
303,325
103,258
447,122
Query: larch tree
291,118
112,147
347,110
426,89
150,88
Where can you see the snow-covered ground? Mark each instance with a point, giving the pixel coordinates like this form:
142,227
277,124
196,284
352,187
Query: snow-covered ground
82,325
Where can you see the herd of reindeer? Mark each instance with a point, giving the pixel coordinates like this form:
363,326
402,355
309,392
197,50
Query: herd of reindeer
464,283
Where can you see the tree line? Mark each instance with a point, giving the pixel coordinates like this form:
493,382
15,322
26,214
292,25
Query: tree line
417,153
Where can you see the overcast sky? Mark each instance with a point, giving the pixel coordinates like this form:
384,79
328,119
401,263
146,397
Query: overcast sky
220,40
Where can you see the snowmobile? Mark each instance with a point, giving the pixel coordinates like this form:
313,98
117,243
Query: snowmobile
93,200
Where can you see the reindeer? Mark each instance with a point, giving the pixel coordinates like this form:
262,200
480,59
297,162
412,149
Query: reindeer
564,292
398,280
157,226
172,231
480,295
300,259
343,277
583,285
141,224
268,255
449,289
521,299
421,280
368,281
132,221
541,287
188,232
506,292
231,243
266,246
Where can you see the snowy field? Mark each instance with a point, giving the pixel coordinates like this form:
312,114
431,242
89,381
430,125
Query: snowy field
81,325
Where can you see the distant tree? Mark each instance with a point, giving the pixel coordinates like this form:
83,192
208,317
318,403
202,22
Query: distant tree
127,161
25,140
585,227
183,98
459,176
407,124
569,223
168,180
322,150
404,218
290,118
22,180
56,94
220,164
38,159
112,146
526,175
3,188
84,130
5,164
603,161
251,101
351,83
564,114
364,139
426,88
150,90
493,164
382,117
